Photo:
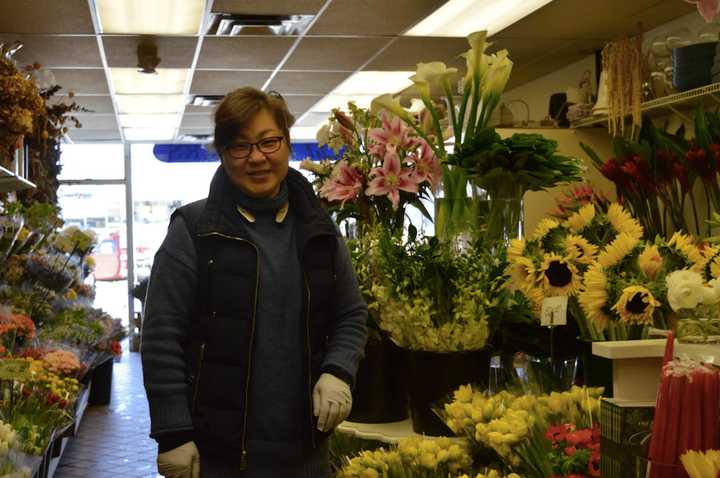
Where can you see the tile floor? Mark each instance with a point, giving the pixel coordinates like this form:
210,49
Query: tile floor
113,440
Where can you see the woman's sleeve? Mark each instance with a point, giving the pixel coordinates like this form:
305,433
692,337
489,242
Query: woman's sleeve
348,334
166,323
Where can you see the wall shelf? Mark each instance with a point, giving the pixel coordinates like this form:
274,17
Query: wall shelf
10,181
687,100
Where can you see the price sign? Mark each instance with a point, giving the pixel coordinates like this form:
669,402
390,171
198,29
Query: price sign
12,369
554,311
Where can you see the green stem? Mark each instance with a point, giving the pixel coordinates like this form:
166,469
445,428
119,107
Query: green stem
451,107
695,214
436,123
469,133
461,115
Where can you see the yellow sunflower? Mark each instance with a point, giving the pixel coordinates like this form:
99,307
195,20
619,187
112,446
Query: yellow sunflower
650,261
559,276
617,250
715,268
623,222
594,297
579,249
522,273
636,305
545,226
685,245
516,249
536,297
581,219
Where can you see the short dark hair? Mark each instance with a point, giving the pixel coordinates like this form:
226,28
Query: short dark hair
239,107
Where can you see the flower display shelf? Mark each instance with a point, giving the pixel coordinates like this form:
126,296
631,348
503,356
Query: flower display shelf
637,364
10,181
708,95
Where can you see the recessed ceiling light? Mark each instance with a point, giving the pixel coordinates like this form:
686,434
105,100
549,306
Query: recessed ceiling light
374,83
158,17
150,121
459,18
149,134
167,81
134,104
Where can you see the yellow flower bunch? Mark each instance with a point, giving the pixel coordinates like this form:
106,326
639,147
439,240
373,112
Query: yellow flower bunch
701,464
413,457
492,474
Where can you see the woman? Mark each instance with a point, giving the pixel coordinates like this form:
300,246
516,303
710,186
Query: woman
254,324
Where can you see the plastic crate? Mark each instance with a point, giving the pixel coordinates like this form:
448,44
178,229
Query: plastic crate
624,429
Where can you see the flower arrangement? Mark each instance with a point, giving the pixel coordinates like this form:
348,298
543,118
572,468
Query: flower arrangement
14,328
575,453
699,464
62,362
385,167
493,474
554,260
624,287
571,201
413,457
445,299
73,240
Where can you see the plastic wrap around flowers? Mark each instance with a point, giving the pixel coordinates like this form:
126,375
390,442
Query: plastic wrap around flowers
556,258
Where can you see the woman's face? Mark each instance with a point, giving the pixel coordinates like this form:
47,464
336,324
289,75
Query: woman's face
258,169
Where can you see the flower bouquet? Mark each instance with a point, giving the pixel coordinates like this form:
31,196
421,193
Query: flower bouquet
11,223
73,240
15,329
571,201
696,305
41,220
384,168
412,458
699,464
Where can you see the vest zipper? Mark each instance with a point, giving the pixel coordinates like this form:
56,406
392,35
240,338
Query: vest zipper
197,376
309,359
244,455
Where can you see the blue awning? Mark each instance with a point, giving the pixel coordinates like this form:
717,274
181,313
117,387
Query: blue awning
200,153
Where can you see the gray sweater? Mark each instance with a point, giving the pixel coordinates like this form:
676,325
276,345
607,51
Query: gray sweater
278,400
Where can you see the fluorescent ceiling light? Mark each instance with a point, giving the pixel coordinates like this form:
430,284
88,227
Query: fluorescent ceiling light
150,121
374,83
133,104
303,133
459,18
167,81
340,101
157,17
149,134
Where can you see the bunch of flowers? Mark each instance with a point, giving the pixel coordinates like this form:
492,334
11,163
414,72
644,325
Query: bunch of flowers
52,271
492,474
697,304
699,464
507,423
72,327
385,166
571,201
413,457
73,240
575,453
9,444
11,223
625,287
62,362
14,328
555,258
445,299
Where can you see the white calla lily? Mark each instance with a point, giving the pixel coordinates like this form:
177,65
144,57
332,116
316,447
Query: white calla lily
389,103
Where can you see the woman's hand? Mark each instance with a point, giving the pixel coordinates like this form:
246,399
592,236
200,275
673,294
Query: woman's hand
332,402
181,462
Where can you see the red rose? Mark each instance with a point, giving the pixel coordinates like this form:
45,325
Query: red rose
570,451
698,160
558,433
580,437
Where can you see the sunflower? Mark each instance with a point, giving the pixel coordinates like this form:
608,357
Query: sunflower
522,273
650,261
687,248
712,264
623,222
545,226
581,219
636,305
536,297
516,249
559,275
579,249
617,250
594,298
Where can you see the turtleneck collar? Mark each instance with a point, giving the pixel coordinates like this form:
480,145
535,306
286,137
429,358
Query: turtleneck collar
251,208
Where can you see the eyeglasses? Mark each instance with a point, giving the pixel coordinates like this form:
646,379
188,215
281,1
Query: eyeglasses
265,146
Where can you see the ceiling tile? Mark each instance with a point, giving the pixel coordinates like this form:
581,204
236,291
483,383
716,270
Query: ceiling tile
46,16
313,119
373,17
245,53
197,121
57,51
97,121
268,7
83,82
96,104
406,52
222,82
174,52
289,82
339,54
299,104
88,135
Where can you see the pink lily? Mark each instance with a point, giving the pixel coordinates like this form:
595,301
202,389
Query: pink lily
707,8
427,166
345,183
390,179
392,133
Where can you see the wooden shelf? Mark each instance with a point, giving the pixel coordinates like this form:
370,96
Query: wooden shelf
687,100
9,181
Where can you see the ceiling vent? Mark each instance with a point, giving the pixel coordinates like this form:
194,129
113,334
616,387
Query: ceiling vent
206,100
235,24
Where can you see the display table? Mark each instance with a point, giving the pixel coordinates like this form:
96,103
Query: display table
637,364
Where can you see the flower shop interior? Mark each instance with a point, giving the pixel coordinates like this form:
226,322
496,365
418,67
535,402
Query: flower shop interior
528,190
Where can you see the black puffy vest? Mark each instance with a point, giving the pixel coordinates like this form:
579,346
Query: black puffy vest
219,355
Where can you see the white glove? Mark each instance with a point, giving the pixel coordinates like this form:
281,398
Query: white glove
332,402
180,462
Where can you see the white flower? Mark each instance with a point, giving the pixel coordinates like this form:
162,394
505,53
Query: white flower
685,289
323,135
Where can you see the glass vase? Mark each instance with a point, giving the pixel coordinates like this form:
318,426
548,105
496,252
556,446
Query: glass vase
698,331
504,219
459,219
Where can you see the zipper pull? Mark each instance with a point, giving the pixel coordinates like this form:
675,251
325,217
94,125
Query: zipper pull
243,461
